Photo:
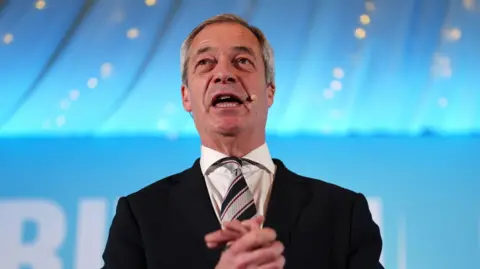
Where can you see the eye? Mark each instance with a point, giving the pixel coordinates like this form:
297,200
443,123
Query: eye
243,60
204,62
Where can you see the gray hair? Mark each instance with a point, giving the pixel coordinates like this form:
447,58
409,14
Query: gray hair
266,49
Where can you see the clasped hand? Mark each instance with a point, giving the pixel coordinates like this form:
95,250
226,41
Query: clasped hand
248,245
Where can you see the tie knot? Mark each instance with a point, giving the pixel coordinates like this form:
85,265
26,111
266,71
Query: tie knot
233,164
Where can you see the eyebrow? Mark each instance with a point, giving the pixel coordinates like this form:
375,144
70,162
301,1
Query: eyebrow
203,50
243,49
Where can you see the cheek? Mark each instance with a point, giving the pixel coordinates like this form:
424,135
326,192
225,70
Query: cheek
197,94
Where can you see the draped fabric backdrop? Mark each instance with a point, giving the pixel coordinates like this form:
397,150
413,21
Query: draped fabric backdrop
380,96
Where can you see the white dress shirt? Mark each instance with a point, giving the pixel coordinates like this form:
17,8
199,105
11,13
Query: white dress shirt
259,179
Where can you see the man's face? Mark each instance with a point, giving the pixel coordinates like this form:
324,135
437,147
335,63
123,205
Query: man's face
225,67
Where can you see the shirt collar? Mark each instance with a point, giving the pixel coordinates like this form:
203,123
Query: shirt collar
259,155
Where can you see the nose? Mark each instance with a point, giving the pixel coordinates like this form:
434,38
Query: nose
225,79
223,75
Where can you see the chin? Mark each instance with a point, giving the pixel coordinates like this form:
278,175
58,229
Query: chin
228,128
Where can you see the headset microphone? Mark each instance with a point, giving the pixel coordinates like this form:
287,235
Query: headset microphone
251,98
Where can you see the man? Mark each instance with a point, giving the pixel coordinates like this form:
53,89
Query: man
236,207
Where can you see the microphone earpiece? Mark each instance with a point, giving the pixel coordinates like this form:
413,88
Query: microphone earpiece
251,98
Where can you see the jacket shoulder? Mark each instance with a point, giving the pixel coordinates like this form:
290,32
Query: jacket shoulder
318,186
329,189
156,190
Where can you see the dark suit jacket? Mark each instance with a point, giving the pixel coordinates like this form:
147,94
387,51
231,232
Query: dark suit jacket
321,225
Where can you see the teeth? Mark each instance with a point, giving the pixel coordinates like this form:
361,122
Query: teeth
226,105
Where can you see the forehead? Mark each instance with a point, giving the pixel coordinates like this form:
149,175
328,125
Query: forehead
224,36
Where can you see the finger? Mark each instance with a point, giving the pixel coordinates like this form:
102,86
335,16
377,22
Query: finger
247,224
253,223
221,236
235,226
277,264
238,229
260,219
264,255
233,230
260,256
253,239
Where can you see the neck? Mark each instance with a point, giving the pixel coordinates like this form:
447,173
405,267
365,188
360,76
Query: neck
234,146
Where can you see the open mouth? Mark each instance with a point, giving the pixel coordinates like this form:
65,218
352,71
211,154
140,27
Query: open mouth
226,101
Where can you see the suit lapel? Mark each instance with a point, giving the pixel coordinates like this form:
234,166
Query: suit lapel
193,202
288,197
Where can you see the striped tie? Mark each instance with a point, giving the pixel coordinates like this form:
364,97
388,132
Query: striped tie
238,202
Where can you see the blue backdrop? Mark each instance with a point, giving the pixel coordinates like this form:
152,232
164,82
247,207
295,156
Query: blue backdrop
380,96
113,66
424,192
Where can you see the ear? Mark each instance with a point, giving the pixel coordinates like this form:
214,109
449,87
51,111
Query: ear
187,105
270,94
